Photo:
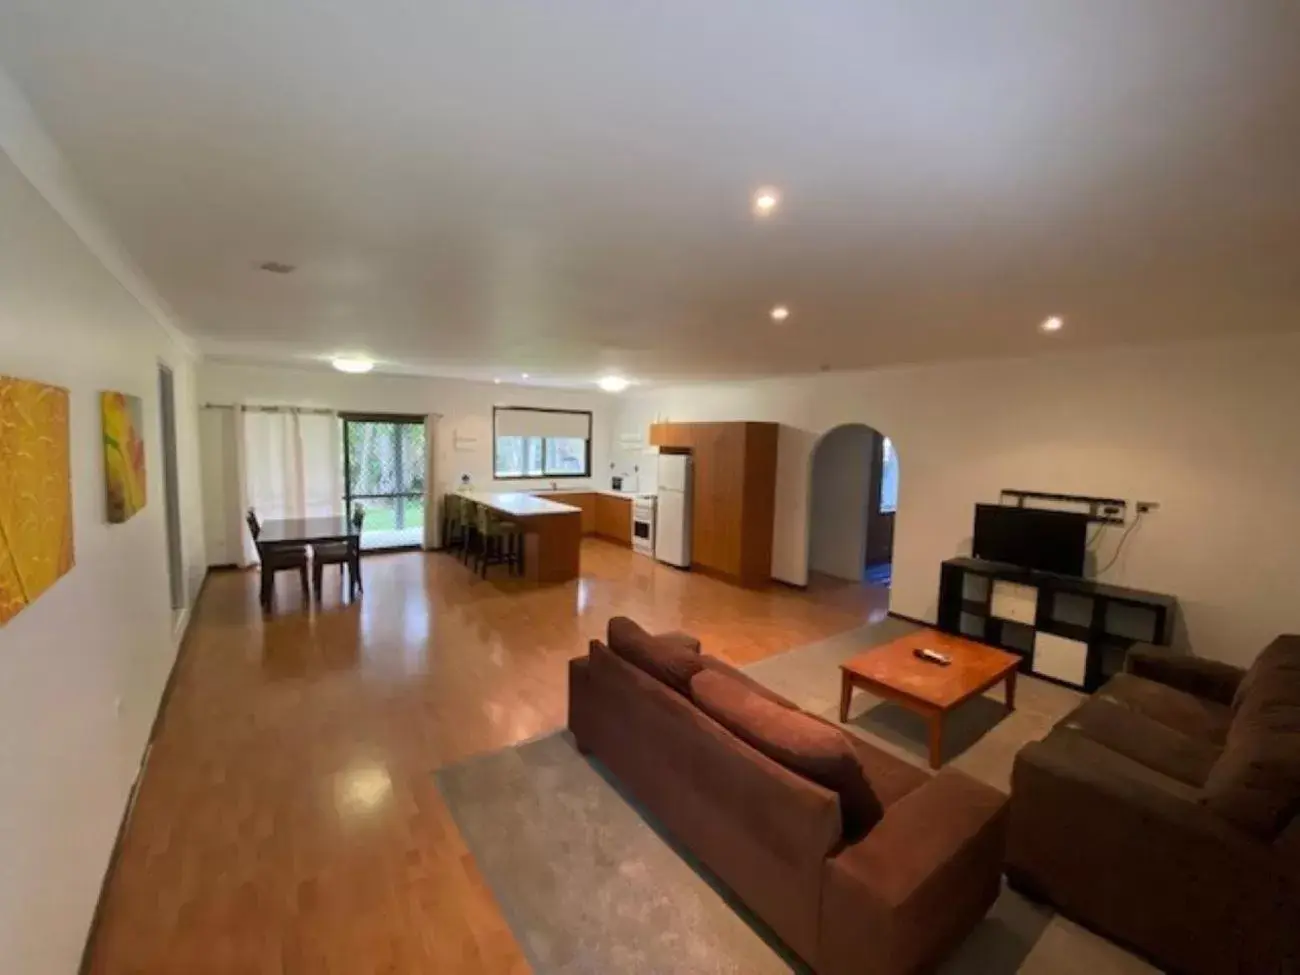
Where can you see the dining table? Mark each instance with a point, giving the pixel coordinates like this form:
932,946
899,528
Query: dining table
318,530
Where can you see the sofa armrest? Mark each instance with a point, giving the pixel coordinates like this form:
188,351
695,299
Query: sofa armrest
1208,679
910,891
1071,774
579,700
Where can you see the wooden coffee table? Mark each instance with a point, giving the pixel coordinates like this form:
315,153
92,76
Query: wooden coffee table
892,672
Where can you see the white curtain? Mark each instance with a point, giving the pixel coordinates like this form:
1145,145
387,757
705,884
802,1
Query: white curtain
432,495
291,466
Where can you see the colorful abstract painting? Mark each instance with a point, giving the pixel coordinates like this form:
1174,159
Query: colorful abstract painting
36,546
123,454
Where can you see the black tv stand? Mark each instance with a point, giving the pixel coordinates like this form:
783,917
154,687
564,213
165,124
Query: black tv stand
1069,630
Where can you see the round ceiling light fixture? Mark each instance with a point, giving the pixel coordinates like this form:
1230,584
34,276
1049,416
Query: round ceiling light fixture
1052,324
780,313
766,200
613,384
352,364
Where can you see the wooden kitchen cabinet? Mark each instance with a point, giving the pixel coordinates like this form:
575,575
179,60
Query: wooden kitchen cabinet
579,499
733,494
672,435
614,518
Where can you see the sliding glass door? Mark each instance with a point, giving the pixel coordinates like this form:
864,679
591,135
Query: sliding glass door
384,464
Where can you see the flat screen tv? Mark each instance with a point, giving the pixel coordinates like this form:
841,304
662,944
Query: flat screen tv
1048,541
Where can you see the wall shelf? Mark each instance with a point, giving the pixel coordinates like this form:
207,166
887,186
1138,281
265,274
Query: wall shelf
1104,511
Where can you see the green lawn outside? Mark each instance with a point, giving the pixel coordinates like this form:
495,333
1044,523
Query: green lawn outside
381,514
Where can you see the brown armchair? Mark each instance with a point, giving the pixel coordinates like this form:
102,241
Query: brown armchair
1164,812
277,558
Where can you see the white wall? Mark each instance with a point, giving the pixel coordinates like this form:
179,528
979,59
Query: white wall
466,409
841,490
1208,430
83,668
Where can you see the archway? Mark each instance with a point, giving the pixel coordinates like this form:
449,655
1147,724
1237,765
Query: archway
852,495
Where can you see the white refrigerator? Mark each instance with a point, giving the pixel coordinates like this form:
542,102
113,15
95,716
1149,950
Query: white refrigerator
673,517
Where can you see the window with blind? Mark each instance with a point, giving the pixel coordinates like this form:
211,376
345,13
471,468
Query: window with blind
540,443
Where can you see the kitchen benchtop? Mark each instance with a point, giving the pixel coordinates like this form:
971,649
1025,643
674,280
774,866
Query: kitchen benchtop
519,504
625,495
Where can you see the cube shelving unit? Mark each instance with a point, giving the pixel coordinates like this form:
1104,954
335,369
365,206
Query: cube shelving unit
1069,630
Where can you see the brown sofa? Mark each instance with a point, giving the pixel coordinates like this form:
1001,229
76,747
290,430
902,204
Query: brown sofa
1164,812
884,870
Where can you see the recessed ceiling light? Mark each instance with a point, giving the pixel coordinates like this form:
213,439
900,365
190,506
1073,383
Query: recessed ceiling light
766,200
612,384
352,364
497,381
780,313
523,375
1052,324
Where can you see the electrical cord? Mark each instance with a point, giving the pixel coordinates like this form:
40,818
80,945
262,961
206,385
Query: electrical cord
1120,547
1092,542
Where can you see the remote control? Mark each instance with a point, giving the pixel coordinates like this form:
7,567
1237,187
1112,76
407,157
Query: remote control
932,656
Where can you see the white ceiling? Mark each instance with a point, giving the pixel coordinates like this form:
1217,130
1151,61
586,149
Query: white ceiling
491,186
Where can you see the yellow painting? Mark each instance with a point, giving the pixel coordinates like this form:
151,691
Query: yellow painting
123,454
36,546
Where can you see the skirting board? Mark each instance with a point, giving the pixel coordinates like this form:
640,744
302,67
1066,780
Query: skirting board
797,586
913,620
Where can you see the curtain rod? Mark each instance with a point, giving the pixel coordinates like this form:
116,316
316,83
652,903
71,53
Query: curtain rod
270,409
308,410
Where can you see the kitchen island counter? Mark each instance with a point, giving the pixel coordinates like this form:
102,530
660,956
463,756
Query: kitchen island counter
552,532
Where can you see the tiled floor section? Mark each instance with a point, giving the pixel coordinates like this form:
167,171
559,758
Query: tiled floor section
288,822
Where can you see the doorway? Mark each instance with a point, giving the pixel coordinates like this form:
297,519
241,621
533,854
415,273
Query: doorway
877,565
853,497
171,487
384,463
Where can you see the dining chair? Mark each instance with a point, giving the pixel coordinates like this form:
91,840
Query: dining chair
277,558
346,555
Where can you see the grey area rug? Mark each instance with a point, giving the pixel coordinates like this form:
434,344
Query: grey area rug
589,884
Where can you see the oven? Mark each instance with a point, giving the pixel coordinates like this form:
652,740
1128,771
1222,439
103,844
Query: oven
643,525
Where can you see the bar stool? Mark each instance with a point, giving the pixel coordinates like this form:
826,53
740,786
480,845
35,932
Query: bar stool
469,512
454,527
500,542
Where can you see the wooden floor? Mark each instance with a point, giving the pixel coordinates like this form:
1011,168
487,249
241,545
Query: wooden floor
288,822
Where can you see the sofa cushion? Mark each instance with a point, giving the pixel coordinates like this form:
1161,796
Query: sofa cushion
668,659
1143,739
1192,716
722,667
1269,694
1256,782
891,778
1280,655
811,748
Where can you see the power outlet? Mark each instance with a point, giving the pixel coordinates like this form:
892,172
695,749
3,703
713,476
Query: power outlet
1145,506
